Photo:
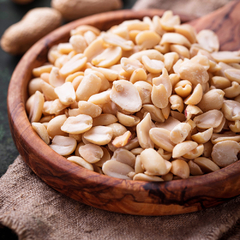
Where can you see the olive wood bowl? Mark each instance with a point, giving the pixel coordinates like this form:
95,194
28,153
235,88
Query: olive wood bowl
104,192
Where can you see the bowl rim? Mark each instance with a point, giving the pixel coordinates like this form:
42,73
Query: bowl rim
24,135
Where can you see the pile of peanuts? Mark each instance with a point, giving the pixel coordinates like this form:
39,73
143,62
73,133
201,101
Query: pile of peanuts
148,100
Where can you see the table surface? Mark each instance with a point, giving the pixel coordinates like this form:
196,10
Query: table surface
11,13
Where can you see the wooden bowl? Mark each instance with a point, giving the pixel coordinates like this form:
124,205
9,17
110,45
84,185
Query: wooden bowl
100,191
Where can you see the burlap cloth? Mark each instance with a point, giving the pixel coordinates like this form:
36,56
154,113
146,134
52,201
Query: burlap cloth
35,211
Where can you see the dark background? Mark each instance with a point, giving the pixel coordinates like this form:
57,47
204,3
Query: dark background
11,13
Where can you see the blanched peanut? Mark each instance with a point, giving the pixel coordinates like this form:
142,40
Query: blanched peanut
195,170
80,161
201,59
83,29
156,113
126,96
133,143
66,93
170,59
197,152
183,88
36,107
209,119
94,49
226,57
207,149
233,74
213,99
152,65
147,39
99,135
182,51
218,137
196,95
188,31
167,177
64,48
148,178
208,40
143,132
54,126
41,130
110,74
179,116
91,152
127,120
42,69
163,48
124,156
235,126
48,91
75,64
168,21
144,90
220,82
194,72
175,38
161,137
182,148
152,54
166,155
169,124
105,85
122,140
225,153
78,43
203,137
116,40
135,25
106,156
153,163
138,75
53,107
108,57
166,111
100,98
206,164
165,80
180,132
89,108
136,151
231,110
63,145
192,111
157,91
118,129
232,91
180,168
104,119
72,76
116,169
138,165
34,85
89,85
176,103
76,125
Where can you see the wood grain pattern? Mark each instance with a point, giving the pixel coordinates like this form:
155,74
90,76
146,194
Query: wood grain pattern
123,196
